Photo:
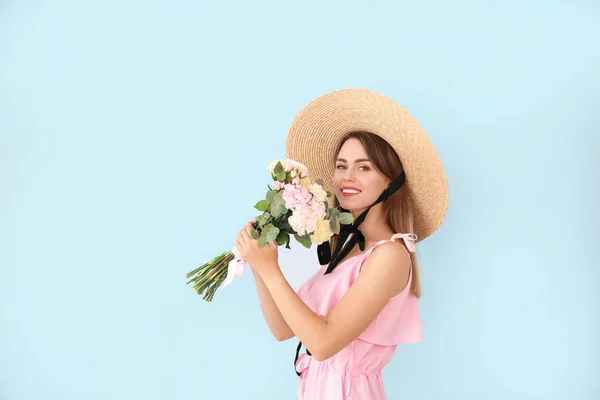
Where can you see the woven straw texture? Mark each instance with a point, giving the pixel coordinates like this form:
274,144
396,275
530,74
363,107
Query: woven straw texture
317,129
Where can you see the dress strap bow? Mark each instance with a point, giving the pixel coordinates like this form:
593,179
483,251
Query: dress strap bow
409,240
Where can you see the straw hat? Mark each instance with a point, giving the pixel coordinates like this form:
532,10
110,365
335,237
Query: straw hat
317,129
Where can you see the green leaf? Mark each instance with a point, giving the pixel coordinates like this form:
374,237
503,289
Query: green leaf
265,229
262,241
270,195
263,219
334,224
285,226
278,168
276,210
283,238
329,194
262,205
281,176
333,212
277,206
346,218
278,199
320,182
254,234
303,240
272,233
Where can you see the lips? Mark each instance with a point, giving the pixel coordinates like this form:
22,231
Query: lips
348,191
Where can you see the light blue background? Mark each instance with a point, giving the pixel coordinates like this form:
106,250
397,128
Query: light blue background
134,141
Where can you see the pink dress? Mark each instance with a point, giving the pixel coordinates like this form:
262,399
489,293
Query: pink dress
354,373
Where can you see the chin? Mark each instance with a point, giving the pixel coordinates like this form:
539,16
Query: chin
352,204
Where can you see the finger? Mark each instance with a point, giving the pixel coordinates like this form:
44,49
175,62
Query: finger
243,237
240,239
246,233
248,228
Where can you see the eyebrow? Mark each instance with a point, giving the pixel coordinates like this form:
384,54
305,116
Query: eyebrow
357,160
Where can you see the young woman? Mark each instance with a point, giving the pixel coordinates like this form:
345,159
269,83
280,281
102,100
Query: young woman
362,303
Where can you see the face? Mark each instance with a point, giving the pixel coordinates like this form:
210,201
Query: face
357,183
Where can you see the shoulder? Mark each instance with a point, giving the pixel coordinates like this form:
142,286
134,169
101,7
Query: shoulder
389,263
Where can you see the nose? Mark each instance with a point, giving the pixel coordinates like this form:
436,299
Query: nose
349,174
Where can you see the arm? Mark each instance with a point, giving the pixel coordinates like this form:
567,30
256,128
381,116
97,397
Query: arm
384,274
280,329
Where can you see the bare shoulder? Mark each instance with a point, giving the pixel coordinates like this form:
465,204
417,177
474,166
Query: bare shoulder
390,262
384,273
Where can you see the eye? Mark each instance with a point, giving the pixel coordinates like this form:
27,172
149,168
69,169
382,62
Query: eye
339,166
364,168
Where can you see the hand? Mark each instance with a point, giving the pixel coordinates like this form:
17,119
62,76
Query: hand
261,259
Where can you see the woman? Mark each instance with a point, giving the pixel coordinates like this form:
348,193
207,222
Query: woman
362,303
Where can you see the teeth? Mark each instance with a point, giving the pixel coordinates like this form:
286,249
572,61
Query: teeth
350,191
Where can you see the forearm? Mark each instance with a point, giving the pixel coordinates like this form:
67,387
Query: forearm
308,326
275,321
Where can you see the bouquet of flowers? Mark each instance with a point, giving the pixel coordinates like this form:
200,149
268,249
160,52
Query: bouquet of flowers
293,206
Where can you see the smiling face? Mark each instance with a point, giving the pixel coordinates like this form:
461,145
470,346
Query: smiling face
357,183
364,166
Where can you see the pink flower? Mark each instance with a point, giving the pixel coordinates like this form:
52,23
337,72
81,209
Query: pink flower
305,219
277,185
295,196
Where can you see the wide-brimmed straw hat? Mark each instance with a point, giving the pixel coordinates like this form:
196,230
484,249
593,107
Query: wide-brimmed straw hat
316,131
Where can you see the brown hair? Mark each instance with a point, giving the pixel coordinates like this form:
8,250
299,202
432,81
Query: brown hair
397,208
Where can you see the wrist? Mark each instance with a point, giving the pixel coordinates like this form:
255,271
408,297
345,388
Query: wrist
271,275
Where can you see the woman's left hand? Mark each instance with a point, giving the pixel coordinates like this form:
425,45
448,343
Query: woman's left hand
261,259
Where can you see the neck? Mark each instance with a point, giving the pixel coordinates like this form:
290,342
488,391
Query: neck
374,227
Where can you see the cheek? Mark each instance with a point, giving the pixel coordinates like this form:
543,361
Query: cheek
336,178
375,185
371,182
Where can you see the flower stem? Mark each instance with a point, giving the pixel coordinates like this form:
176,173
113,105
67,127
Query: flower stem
215,260
211,275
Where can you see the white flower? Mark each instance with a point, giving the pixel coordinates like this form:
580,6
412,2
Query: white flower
317,190
290,165
305,219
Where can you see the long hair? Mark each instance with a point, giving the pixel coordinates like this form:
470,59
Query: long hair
397,208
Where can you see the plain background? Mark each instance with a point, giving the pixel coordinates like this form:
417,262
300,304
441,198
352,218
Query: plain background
134,141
